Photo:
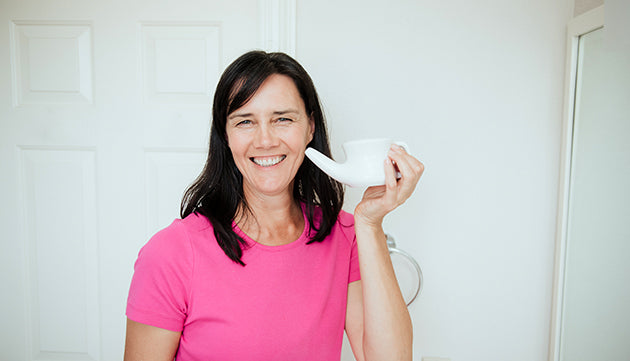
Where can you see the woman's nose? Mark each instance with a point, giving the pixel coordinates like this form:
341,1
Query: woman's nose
265,137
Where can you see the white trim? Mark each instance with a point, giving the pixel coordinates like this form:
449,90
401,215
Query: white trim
278,21
578,26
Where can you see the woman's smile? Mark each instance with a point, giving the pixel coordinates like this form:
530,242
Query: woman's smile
268,161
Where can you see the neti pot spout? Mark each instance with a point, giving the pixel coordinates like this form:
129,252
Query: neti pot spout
336,170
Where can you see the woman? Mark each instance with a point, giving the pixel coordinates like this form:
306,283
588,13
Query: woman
264,265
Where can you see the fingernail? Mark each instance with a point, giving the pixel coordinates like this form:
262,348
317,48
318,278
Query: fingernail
396,148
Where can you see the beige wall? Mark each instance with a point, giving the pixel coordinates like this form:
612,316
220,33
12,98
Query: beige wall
582,6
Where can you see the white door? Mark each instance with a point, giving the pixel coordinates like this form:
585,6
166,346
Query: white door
104,116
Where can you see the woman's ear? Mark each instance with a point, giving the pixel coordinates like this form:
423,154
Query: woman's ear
227,140
312,128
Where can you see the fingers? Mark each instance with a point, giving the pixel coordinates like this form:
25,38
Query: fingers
410,169
378,201
391,186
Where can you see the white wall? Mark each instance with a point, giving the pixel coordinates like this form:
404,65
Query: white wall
475,89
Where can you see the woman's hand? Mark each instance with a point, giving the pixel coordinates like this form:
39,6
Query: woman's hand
378,201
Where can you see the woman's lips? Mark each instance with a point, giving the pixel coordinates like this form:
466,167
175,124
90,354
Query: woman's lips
268,161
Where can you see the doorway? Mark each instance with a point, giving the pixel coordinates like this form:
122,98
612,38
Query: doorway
592,315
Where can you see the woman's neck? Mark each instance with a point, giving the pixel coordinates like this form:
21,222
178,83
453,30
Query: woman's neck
271,221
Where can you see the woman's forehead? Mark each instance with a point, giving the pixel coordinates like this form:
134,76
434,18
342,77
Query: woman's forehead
277,94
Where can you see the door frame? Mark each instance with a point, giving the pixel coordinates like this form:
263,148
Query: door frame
278,19
578,26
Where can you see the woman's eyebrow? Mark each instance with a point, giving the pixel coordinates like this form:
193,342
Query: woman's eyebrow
239,115
287,111
277,112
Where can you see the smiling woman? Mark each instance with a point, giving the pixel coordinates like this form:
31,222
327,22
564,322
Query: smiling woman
264,264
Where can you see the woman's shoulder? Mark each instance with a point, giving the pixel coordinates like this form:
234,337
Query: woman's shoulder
194,222
344,227
178,236
345,218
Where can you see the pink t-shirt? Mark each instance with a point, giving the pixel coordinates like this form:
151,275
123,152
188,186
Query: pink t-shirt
287,303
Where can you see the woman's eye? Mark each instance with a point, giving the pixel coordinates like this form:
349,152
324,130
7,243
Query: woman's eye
285,119
243,122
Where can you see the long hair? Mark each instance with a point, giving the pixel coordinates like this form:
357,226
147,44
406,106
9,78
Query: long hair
217,193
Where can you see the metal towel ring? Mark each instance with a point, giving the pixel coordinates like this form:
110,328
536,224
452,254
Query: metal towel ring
391,246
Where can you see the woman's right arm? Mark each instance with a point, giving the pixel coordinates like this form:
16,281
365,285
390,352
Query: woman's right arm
149,343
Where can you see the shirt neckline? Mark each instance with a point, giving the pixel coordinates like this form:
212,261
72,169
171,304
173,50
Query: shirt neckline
252,244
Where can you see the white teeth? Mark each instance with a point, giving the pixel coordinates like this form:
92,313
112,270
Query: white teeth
268,162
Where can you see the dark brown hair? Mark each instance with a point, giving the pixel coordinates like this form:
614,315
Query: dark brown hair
217,192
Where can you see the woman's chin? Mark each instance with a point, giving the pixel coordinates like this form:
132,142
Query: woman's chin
269,189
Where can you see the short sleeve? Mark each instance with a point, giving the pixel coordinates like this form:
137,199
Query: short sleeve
355,273
346,222
160,286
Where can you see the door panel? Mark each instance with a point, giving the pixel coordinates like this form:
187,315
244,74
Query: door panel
58,186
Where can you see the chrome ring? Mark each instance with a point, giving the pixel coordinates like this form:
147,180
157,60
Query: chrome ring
391,245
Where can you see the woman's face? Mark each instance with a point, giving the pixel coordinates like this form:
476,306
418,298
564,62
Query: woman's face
268,136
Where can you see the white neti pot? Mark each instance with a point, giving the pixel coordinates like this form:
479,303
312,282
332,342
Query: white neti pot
364,165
